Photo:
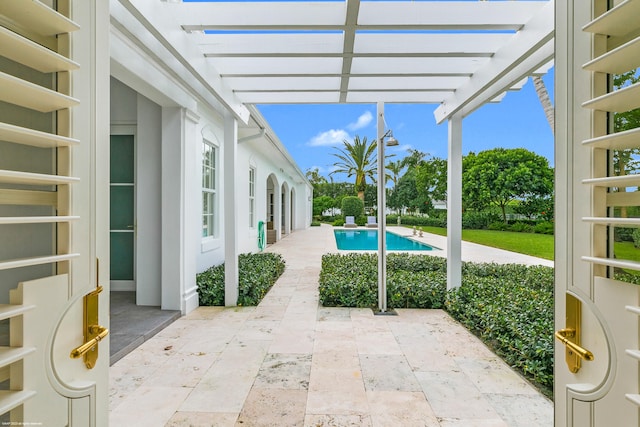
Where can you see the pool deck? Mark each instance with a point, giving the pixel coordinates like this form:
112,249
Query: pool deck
291,362
470,251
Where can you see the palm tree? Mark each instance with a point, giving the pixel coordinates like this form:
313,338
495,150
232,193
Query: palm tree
545,101
395,169
357,159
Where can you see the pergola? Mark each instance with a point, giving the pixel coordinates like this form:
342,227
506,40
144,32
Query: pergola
458,54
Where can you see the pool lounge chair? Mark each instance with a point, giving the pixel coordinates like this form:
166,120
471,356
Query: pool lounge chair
349,222
371,222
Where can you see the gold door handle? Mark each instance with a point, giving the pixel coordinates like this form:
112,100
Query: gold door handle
564,334
100,332
92,332
570,335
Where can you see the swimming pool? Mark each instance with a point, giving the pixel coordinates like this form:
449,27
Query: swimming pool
367,240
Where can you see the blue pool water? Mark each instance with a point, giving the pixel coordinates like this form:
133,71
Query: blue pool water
367,240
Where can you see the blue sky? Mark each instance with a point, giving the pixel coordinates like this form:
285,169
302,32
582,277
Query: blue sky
311,132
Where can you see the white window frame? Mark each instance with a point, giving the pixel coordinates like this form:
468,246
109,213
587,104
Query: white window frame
210,189
252,197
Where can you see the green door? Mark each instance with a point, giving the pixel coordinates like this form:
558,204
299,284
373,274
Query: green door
122,211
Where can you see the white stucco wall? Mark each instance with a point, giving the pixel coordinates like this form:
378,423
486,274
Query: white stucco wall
170,125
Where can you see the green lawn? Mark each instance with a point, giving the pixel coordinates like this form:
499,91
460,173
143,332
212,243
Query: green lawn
538,245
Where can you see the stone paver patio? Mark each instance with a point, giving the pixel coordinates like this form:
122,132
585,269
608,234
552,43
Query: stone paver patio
291,362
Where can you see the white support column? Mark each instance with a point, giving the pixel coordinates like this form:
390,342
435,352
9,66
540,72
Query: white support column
230,149
454,203
172,207
180,195
382,226
192,200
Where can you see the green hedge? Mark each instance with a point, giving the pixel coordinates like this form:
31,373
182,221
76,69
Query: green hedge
257,273
352,206
510,307
433,221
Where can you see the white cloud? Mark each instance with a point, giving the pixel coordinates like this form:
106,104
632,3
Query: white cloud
403,147
330,137
362,121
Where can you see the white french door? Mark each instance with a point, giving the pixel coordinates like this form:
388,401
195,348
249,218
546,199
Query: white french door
51,212
597,309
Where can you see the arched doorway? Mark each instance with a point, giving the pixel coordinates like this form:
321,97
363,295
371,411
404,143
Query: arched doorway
285,217
273,209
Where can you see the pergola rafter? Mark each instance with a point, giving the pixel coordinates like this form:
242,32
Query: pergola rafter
362,51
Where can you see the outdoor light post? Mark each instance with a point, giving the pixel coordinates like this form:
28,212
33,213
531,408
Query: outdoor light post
382,207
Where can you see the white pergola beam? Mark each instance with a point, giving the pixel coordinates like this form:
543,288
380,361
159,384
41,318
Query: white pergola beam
433,83
511,79
221,44
255,84
377,15
537,34
311,65
397,97
257,15
290,97
162,27
431,43
417,65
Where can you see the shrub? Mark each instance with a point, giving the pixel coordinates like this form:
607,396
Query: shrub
339,222
479,220
510,307
315,223
352,206
498,226
544,227
623,234
433,221
257,273
361,220
521,227
514,317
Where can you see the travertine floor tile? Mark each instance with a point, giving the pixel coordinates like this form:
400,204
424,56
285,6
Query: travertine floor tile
291,362
182,370
321,402
274,408
522,410
148,406
493,376
453,395
284,372
406,409
202,419
387,373
337,421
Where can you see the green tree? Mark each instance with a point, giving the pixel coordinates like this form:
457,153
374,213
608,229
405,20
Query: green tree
314,177
413,159
395,172
322,203
501,175
431,179
352,206
357,159
407,195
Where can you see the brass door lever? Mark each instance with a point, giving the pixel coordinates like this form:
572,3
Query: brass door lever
570,335
93,333
564,334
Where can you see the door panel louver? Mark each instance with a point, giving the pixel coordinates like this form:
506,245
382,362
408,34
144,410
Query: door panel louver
33,39
616,50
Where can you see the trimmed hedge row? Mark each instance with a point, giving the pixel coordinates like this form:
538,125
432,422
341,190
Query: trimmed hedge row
510,307
257,273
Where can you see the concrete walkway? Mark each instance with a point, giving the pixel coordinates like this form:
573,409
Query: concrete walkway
290,362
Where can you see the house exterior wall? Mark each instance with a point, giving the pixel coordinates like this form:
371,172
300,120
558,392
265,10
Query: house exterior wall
170,126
